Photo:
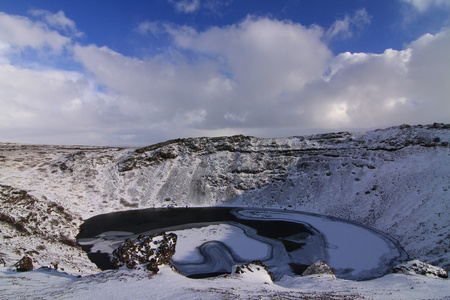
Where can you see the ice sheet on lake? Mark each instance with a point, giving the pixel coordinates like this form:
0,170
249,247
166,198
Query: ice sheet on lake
216,248
355,252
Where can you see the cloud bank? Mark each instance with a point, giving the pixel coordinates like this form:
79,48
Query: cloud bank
262,77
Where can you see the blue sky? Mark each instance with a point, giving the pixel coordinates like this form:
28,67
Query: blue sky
139,72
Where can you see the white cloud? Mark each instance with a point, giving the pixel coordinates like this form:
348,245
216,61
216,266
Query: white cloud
394,87
216,6
160,92
261,76
348,26
48,102
239,77
262,54
57,20
191,6
21,32
424,5
149,27
186,6
362,90
429,69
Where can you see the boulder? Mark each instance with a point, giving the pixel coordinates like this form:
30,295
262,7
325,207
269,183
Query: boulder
254,271
419,267
24,264
146,252
319,267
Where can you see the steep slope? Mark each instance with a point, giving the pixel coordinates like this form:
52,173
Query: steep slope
395,179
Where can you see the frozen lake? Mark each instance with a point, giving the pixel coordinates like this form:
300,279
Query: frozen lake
211,240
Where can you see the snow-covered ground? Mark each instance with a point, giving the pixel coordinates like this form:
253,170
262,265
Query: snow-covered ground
396,180
50,284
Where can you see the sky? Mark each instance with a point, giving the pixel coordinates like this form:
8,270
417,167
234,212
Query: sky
134,73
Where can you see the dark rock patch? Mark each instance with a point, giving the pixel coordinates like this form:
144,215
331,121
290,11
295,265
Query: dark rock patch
319,267
253,267
146,252
418,267
24,264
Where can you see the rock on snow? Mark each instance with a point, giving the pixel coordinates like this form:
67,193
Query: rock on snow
319,267
145,251
418,267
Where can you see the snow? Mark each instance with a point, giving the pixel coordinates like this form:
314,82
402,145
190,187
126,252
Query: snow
395,180
224,245
49,284
234,237
106,242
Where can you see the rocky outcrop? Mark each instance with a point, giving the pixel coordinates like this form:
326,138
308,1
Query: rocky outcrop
24,264
253,271
31,216
251,267
147,252
319,267
418,267
391,139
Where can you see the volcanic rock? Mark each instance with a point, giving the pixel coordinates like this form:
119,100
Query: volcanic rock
418,267
146,252
319,267
25,264
254,271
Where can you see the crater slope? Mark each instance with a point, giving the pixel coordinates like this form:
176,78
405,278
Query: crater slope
396,180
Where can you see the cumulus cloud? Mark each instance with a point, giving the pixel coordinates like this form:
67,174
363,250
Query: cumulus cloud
261,76
49,104
429,69
239,75
266,75
390,88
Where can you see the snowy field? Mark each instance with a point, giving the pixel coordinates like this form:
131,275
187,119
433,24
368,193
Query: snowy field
50,284
395,180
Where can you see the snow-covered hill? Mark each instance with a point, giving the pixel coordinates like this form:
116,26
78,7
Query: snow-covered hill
396,180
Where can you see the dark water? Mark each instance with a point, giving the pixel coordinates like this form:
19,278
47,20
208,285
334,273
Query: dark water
154,218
